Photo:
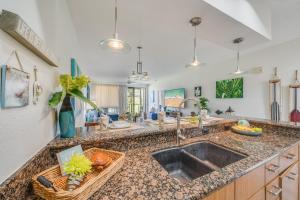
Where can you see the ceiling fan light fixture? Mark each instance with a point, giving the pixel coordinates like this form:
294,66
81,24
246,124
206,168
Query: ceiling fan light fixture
195,21
193,64
114,44
238,72
237,41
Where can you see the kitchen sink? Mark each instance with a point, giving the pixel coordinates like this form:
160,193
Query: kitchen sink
213,155
180,164
191,161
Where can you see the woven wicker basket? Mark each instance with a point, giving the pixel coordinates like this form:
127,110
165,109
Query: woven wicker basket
91,183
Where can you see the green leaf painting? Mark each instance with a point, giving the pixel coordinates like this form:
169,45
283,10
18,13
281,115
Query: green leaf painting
232,88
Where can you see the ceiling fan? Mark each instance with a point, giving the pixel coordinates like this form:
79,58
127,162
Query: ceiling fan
238,71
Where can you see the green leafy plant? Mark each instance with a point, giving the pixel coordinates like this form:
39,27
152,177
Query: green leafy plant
204,103
78,165
71,86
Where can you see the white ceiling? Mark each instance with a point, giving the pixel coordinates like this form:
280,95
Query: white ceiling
162,28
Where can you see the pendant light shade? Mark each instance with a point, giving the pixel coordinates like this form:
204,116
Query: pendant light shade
114,44
195,63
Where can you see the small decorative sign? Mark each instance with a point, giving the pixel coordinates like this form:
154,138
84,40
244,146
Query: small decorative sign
65,155
15,26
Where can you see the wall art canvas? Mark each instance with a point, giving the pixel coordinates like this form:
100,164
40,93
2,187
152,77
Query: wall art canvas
232,88
197,91
174,97
14,88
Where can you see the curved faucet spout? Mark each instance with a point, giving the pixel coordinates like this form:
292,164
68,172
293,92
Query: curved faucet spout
179,135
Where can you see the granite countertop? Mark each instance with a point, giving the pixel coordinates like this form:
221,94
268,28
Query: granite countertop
140,130
143,178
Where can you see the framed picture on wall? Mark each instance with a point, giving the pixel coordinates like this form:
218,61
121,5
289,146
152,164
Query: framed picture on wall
228,89
198,91
15,87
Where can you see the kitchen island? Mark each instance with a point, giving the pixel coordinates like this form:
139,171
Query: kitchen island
142,177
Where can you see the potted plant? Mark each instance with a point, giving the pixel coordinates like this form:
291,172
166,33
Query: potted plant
70,87
204,103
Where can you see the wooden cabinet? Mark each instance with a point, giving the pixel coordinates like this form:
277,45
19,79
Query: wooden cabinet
273,190
249,184
276,180
272,169
225,193
289,183
288,158
260,195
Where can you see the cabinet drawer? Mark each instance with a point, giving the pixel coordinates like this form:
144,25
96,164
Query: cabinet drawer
249,184
289,157
289,183
272,169
260,195
273,190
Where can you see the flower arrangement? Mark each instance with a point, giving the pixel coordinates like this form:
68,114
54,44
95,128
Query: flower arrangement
76,168
71,87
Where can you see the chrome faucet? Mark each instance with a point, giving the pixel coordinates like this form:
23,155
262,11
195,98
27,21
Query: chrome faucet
179,136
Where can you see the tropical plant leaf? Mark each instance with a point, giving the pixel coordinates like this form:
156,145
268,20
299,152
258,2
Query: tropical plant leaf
78,94
55,99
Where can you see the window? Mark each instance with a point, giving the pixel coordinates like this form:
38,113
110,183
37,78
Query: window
136,100
106,96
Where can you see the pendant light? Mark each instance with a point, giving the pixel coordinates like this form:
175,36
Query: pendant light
195,63
237,41
114,44
139,75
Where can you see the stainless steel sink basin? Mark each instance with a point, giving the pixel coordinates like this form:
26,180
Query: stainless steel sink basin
194,160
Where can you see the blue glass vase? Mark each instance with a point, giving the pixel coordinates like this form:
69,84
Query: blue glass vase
67,119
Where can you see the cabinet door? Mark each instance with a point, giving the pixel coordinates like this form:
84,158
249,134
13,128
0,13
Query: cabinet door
249,184
289,183
225,193
273,190
260,195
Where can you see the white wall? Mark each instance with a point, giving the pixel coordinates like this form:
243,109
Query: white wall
24,131
255,102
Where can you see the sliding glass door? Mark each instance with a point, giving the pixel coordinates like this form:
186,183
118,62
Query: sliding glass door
136,98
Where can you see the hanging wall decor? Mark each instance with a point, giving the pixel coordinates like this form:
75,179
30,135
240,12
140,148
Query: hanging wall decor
295,113
16,27
275,96
14,85
197,91
37,89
